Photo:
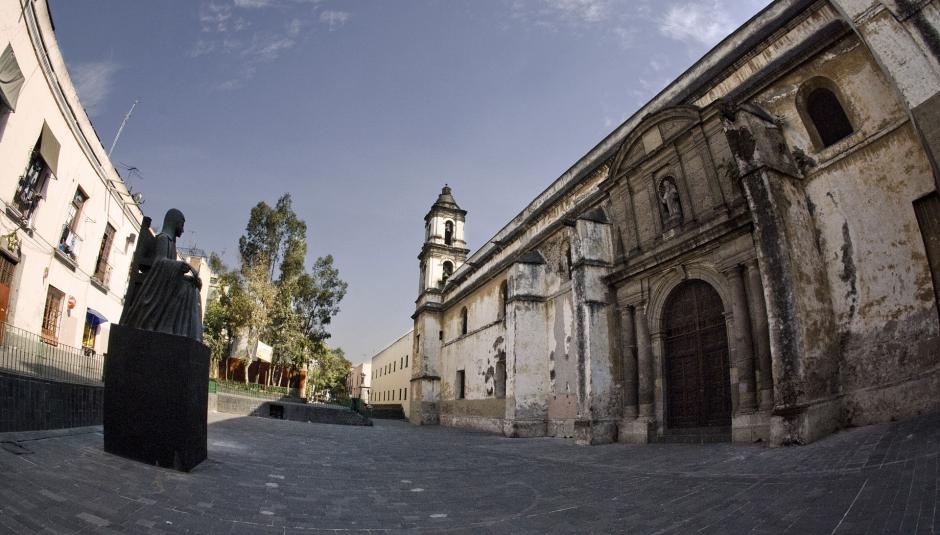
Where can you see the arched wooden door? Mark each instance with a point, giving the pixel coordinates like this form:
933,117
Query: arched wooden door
698,393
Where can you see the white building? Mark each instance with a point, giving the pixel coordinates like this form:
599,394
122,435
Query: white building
69,225
198,259
359,381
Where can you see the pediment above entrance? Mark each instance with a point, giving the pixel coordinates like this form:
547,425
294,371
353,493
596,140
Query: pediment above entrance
653,132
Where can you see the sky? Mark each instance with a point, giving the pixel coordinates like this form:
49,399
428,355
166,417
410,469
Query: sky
363,109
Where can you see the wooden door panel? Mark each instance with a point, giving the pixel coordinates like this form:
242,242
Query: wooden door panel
698,392
4,302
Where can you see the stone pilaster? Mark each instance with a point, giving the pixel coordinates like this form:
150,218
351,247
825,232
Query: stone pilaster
803,334
600,402
646,374
630,400
639,429
743,352
761,336
527,375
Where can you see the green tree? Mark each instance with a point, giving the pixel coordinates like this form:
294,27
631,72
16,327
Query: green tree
329,372
226,312
274,237
290,312
317,298
261,294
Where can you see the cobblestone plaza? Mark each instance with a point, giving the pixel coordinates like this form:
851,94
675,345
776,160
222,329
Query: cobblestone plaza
270,476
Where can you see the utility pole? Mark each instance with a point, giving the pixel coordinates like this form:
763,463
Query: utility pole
121,129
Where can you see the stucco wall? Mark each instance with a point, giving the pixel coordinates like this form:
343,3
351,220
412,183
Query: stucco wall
861,192
391,371
48,96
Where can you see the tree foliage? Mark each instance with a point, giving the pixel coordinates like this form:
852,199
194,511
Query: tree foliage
330,370
291,311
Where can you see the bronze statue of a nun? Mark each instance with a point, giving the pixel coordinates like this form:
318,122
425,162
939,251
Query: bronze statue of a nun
163,293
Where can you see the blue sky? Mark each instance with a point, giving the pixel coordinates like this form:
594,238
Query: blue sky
362,110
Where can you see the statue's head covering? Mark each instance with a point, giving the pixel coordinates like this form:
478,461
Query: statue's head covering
173,223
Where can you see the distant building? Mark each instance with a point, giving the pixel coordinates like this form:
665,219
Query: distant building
359,381
391,374
69,224
198,259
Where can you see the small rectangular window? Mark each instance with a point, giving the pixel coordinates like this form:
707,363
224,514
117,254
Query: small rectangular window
102,267
440,335
406,393
406,361
69,241
460,384
32,186
52,313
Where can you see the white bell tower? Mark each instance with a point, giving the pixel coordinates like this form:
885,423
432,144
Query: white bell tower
443,252
445,248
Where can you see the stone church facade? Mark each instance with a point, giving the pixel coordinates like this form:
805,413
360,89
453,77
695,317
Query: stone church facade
754,255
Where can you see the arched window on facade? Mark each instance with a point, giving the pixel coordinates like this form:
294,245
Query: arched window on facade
463,321
503,299
448,270
823,113
449,233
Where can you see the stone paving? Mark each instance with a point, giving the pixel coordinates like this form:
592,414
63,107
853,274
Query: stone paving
270,476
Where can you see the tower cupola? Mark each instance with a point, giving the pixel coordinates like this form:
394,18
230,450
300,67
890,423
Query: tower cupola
445,247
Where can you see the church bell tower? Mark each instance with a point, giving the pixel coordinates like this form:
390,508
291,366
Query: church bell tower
443,252
444,248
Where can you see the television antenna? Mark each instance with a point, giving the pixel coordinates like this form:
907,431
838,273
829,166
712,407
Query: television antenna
123,124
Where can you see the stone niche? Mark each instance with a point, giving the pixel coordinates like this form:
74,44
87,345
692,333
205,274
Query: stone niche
156,398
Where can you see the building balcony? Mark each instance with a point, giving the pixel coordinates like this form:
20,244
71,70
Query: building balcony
70,243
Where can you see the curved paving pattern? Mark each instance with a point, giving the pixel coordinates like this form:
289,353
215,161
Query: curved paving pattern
269,476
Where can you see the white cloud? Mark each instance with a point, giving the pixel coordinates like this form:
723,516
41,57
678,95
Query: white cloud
334,18
588,11
616,21
257,31
94,82
215,17
705,22
252,3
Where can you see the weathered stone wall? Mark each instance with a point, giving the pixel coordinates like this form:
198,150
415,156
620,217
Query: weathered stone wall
478,353
815,252
860,192
286,410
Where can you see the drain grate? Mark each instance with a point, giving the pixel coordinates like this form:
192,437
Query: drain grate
15,448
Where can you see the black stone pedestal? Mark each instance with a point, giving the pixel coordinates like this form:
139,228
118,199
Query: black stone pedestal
156,397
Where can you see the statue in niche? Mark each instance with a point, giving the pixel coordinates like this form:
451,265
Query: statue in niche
163,292
669,200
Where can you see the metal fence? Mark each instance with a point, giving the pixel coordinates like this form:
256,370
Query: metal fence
29,354
257,390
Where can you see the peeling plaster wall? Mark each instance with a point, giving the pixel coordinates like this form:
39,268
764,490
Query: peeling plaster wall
860,194
564,380
849,302
477,353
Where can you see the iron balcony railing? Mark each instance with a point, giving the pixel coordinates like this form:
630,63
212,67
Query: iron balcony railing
29,354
